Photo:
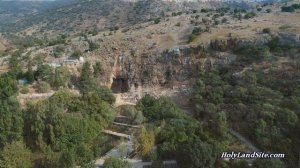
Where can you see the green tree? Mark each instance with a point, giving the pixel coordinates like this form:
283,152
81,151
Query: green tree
43,87
239,164
101,110
249,15
105,94
261,131
136,116
30,73
266,30
15,155
8,86
287,117
97,69
156,21
158,109
86,78
66,159
116,163
222,127
76,54
173,134
269,10
250,77
197,154
10,113
268,163
24,90
145,141
43,73
14,64
68,126
51,159
61,77
93,46
84,155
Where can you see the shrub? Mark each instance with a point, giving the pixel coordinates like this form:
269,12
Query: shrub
251,54
178,24
284,27
57,51
197,31
43,87
269,10
16,154
215,16
216,22
204,10
93,46
205,20
291,8
157,20
76,54
114,28
179,13
24,90
136,116
116,163
192,37
249,15
224,20
266,30
287,9
58,40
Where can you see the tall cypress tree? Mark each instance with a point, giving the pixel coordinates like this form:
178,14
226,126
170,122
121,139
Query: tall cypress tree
30,73
86,78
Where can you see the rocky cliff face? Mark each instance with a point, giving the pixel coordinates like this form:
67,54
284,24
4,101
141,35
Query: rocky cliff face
180,64
171,68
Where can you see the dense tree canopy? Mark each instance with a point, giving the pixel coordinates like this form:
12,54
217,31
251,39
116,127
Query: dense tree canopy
264,101
10,114
15,155
177,136
67,124
158,109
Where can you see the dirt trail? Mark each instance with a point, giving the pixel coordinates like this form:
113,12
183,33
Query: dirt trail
117,134
35,95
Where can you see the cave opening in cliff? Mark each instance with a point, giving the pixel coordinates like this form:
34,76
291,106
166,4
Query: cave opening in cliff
120,85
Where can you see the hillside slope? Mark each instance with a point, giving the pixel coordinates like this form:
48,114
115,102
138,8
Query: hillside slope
99,14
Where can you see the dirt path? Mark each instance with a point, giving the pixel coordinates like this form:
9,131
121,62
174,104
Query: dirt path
35,95
127,125
117,134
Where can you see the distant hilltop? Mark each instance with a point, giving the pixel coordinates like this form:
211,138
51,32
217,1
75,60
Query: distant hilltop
179,1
